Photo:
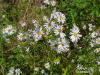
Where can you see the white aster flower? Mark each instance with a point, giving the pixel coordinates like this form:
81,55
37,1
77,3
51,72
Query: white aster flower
91,27
75,36
92,43
35,22
49,25
42,71
27,49
84,27
94,35
10,74
53,14
59,31
3,16
36,69
11,71
23,24
62,35
56,61
46,2
45,19
47,65
61,17
97,50
63,46
4,30
10,30
98,61
53,44
98,41
21,36
38,34
43,6
75,29
80,67
53,3
18,71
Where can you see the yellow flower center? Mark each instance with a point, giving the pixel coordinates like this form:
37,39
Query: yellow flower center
98,49
61,18
62,44
59,30
9,30
75,34
4,30
98,41
10,25
39,33
21,35
36,22
49,24
47,65
48,41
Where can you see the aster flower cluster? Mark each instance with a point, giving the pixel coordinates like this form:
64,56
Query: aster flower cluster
13,71
59,38
9,30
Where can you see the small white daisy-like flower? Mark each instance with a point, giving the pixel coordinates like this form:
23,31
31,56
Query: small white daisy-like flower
4,30
80,67
18,71
45,19
46,2
35,22
56,61
61,17
3,16
27,49
62,35
53,14
21,36
92,43
42,71
36,68
75,29
63,46
38,34
75,36
84,27
23,24
97,50
10,30
53,44
47,65
53,3
59,31
43,6
11,71
98,41
49,25
94,35
10,74
91,27
98,61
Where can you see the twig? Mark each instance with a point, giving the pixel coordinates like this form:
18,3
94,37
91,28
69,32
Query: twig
2,69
